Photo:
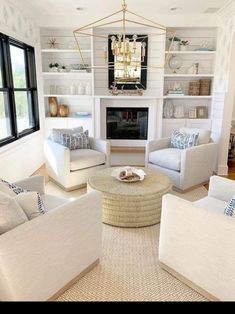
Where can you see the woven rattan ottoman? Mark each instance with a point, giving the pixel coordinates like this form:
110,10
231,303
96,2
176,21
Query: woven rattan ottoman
136,204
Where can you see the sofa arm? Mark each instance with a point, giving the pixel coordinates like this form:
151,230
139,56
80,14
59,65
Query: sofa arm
40,257
35,183
194,242
101,146
198,164
221,188
153,145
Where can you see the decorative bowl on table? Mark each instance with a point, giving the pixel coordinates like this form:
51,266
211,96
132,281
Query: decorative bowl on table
128,174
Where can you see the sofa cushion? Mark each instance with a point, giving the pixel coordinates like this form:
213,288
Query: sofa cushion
51,201
183,140
85,158
212,204
75,141
11,214
167,158
204,135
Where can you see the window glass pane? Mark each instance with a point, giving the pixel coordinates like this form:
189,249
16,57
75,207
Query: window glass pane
1,84
18,67
5,126
23,111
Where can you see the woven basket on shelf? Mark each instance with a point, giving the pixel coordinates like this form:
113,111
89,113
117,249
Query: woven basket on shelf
194,88
205,87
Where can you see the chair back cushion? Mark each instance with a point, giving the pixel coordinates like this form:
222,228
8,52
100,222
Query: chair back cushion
204,135
183,140
75,141
56,133
11,214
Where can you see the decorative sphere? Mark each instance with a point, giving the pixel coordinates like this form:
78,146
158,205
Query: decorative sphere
175,63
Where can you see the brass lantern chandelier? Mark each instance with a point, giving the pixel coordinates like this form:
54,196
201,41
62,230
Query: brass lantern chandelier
123,46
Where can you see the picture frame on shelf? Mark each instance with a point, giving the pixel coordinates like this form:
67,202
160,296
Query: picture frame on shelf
192,113
202,112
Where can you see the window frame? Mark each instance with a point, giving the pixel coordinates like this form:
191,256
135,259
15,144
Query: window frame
9,89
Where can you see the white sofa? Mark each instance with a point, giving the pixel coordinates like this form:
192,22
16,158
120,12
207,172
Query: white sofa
197,241
71,169
187,167
42,256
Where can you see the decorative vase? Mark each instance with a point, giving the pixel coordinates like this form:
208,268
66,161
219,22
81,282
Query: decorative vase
183,48
53,106
179,111
175,45
168,110
63,111
81,89
88,89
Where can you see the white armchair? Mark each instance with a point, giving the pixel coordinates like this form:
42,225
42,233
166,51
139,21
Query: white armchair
71,169
186,168
41,257
196,241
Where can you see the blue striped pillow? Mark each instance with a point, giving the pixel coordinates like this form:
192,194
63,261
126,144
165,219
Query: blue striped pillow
183,140
75,141
230,208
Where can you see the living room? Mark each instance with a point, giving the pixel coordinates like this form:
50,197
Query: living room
116,135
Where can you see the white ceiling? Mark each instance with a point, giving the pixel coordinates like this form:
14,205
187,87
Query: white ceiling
94,9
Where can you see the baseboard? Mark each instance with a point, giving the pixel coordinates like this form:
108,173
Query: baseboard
190,189
75,187
188,282
72,282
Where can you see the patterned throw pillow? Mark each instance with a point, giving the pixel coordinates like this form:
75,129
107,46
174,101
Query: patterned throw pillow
56,133
13,191
183,140
75,141
230,208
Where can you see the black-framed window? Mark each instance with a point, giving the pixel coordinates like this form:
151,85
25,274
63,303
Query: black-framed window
19,115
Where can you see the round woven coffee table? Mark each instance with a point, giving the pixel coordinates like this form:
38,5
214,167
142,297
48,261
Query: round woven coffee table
136,204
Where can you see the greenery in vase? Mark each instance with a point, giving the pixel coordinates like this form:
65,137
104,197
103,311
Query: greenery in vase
53,65
174,39
184,43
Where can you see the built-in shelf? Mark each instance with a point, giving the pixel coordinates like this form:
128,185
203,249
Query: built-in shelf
70,96
65,50
189,75
67,74
127,97
70,117
187,97
191,52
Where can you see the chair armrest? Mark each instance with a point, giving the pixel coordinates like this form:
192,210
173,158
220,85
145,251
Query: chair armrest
35,183
221,188
101,146
194,243
40,257
198,163
57,156
153,145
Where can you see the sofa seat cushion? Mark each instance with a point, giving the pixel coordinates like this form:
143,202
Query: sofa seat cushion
212,204
167,158
85,158
51,201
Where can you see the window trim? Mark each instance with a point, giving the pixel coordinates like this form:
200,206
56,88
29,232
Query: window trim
9,89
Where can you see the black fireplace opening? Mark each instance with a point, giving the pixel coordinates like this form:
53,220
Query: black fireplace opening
127,123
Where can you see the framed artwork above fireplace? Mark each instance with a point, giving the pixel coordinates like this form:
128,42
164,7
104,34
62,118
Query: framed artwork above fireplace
136,76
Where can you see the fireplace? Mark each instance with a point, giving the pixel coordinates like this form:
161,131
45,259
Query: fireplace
127,123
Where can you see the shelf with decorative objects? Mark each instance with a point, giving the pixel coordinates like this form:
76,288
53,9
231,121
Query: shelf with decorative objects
188,79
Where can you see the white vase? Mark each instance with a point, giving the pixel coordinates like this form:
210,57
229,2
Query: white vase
88,89
175,46
81,89
183,48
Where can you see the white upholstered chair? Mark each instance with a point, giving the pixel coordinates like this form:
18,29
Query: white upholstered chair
42,256
188,167
71,168
196,240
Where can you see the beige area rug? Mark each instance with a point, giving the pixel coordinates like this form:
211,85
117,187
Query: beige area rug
129,270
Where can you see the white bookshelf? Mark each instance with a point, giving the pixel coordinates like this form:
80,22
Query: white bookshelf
199,53
65,50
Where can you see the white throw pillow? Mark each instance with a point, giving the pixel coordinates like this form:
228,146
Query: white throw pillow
35,206
11,214
204,135
31,203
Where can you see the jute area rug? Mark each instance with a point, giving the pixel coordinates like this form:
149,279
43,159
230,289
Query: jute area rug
129,270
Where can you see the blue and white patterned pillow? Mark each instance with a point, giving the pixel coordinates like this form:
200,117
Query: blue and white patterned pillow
12,189
183,140
75,141
230,208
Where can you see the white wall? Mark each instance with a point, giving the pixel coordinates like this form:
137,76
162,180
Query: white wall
22,158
